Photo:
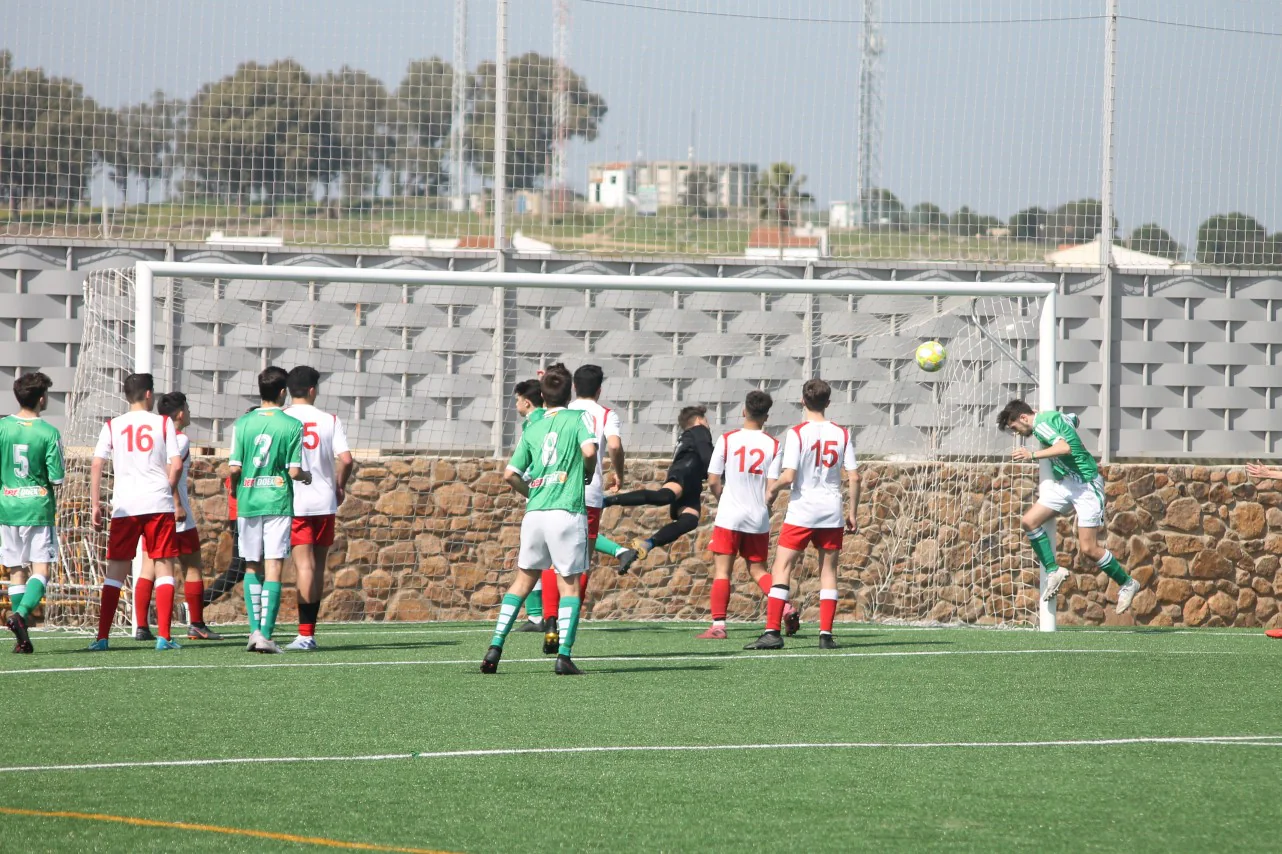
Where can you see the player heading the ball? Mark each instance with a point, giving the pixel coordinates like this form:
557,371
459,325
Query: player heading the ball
1075,482
552,466
815,454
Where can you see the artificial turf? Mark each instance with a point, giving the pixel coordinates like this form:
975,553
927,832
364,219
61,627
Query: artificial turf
403,689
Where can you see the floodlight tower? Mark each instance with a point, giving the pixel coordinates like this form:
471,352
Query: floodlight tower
457,166
869,166
560,100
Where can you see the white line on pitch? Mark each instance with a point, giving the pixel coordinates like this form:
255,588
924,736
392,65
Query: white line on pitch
1222,740
603,658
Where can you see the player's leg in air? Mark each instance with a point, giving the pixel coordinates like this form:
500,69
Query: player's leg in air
726,546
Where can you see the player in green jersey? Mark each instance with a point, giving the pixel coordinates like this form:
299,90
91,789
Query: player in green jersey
552,466
266,456
30,467
529,405
1075,482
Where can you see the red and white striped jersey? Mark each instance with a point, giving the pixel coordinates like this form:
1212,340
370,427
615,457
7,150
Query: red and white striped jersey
140,445
323,440
746,460
605,424
819,451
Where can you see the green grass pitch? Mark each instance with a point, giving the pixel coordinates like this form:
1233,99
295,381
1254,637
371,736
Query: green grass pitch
943,742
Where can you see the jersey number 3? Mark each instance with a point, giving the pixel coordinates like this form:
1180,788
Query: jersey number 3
262,448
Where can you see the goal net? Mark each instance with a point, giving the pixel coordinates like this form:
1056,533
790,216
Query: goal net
422,376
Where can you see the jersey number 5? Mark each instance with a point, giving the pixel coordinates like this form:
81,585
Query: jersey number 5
311,439
758,458
21,466
262,448
825,456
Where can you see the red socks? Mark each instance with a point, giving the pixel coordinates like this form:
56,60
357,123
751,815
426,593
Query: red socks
774,607
142,600
551,595
194,595
164,605
827,610
583,589
107,609
720,597
765,582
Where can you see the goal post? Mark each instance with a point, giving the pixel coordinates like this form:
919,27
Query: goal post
411,359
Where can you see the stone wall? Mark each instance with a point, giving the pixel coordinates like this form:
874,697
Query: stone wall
423,538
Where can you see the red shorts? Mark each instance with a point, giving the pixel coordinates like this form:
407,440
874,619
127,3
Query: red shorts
754,548
797,538
156,530
312,531
594,524
188,542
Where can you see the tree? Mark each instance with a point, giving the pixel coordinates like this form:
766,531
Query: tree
425,106
882,209
701,193
778,193
1155,240
143,142
967,223
358,114
530,128
6,63
926,216
1233,238
1078,222
1029,224
51,135
263,130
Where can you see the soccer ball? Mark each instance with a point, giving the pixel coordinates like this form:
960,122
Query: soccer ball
931,356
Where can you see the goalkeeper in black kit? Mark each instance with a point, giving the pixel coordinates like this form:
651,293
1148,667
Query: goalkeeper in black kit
682,490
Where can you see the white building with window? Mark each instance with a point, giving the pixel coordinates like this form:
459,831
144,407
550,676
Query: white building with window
617,185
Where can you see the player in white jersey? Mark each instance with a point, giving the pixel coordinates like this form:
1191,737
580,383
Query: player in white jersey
745,464
329,459
146,463
174,406
815,453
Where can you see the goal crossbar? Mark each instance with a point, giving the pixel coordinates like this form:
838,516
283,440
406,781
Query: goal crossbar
146,272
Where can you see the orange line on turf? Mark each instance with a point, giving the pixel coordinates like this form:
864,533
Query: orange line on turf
213,828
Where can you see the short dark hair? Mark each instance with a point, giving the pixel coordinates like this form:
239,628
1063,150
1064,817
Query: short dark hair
529,389
1011,413
758,404
555,386
587,380
29,388
301,379
171,403
816,395
687,415
137,385
271,382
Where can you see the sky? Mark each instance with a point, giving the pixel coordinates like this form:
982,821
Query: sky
995,104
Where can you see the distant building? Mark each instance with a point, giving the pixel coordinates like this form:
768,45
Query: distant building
841,215
660,183
795,244
1087,255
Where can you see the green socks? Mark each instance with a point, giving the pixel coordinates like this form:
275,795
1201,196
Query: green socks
1108,563
534,604
16,592
30,599
507,616
1042,547
607,546
271,607
568,621
253,596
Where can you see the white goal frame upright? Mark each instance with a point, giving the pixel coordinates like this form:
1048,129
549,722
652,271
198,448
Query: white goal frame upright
146,273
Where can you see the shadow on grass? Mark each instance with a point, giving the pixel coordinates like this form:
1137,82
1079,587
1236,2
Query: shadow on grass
356,647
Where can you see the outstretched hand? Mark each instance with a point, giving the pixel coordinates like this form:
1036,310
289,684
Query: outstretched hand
1021,454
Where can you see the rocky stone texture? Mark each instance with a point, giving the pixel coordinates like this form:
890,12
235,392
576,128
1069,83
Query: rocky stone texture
422,538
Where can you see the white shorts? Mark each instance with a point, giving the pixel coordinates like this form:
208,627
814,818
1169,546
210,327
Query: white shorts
555,538
1086,497
24,544
264,537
